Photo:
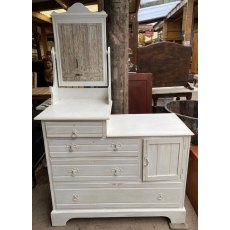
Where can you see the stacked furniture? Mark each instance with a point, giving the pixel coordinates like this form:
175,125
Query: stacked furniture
103,165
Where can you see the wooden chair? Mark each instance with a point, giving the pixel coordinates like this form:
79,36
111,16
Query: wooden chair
169,64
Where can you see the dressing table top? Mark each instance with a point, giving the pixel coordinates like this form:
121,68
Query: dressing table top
77,109
131,125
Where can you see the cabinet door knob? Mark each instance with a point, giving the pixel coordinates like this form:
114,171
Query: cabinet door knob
74,133
146,162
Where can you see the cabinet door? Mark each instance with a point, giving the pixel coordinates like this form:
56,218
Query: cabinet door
162,158
140,93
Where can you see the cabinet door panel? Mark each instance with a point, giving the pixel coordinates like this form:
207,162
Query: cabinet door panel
162,159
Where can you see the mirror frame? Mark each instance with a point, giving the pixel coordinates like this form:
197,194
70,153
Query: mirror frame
79,14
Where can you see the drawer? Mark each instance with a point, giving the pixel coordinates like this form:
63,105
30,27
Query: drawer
117,197
75,129
83,170
94,147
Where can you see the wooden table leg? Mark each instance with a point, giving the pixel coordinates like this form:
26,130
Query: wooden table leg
155,99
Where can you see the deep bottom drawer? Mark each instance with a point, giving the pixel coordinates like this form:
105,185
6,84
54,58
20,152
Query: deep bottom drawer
117,197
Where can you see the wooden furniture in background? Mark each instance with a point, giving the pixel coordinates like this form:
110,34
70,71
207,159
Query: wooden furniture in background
192,178
140,93
166,92
169,63
40,93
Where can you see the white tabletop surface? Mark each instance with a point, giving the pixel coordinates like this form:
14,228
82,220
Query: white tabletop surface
80,109
130,125
173,89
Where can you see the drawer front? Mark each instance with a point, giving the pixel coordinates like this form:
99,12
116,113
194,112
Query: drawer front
74,129
117,197
94,147
95,170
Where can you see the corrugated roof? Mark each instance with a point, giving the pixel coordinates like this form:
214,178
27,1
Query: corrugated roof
152,13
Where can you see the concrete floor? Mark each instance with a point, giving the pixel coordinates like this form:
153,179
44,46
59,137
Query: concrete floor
42,207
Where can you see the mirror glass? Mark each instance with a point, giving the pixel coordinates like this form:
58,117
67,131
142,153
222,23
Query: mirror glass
81,51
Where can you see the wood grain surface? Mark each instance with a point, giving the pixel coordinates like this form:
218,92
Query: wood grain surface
167,61
81,52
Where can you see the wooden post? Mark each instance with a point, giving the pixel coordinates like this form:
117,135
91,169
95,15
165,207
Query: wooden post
133,36
188,22
184,18
118,37
44,39
100,5
194,66
37,42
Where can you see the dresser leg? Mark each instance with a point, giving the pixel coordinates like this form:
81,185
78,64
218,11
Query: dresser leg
177,220
58,219
178,226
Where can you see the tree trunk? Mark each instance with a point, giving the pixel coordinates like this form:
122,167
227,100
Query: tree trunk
118,36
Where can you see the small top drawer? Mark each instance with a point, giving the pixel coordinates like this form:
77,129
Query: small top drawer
75,129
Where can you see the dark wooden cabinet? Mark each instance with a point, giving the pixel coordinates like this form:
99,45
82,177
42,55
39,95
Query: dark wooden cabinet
192,177
140,93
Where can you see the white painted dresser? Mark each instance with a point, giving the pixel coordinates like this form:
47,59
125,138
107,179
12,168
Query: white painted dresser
103,165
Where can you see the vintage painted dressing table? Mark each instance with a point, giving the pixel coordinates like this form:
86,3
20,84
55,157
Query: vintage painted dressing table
103,165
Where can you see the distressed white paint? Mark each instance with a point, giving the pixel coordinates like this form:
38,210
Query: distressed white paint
109,77
76,109
103,165
78,17
164,158
165,124
60,217
85,178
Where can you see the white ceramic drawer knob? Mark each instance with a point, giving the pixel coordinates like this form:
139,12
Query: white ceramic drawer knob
76,197
160,196
71,147
116,147
74,133
116,171
74,172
